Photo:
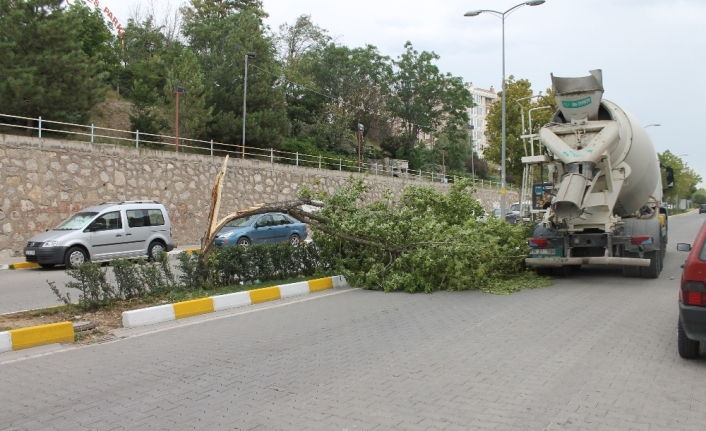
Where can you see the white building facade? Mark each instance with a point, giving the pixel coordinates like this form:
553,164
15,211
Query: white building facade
478,115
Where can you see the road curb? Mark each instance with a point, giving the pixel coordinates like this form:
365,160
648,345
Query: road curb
28,265
63,332
24,338
212,304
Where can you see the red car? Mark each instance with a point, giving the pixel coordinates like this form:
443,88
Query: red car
692,298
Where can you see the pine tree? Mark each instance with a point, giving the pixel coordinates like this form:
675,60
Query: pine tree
45,72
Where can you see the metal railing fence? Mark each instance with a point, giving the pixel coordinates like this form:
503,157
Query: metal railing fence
94,134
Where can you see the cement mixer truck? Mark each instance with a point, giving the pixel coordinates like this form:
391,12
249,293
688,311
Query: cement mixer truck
592,181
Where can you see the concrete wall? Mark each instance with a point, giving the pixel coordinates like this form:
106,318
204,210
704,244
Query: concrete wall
43,181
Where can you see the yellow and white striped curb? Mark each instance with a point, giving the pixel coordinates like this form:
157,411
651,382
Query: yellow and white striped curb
16,339
180,310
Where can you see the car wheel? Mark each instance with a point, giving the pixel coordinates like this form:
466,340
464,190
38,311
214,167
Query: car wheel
688,349
294,240
244,241
75,256
47,265
155,248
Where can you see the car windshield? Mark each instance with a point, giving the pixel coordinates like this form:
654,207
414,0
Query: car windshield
515,207
241,221
497,213
76,221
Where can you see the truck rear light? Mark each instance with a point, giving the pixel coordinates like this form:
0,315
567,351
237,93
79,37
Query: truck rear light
641,240
538,242
693,293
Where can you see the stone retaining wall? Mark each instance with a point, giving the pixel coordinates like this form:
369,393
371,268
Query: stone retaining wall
43,181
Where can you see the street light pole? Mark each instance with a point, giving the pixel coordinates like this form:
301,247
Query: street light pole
245,95
502,16
471,127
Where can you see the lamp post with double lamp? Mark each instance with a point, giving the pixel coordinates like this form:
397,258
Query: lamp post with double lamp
502,16
245,95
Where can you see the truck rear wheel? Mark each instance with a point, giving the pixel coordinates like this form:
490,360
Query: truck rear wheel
655,267
543,270
630,271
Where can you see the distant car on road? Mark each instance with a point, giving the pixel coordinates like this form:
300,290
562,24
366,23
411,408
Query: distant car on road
691,328
702,208
261,229
510,217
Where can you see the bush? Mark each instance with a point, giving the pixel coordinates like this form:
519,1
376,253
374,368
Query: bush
95,290
226,267
265,262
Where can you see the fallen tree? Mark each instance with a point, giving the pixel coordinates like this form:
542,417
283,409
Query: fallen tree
422,242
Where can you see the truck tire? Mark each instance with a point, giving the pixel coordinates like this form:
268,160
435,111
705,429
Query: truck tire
562,271
630,271
655,267
543,270
688,349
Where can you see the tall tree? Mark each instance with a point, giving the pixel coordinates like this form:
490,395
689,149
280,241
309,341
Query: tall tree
220,43
45,71
514,147
424,99
143,53
96,39
199,10
184,71
351,84
686,179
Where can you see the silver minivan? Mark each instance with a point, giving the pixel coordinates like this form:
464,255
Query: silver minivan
107,231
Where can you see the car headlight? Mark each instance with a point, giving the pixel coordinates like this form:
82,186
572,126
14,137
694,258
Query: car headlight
50,244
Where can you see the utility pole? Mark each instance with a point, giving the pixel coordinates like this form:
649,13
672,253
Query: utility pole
443,163
178,91
245,94
360,140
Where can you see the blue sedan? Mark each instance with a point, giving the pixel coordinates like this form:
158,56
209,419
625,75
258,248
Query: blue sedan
261,229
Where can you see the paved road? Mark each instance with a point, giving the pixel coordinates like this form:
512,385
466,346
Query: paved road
27,289
593,352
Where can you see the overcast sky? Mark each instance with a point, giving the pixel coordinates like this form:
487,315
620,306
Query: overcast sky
652,52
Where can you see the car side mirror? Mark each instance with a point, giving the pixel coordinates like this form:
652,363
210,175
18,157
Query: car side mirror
683,247
97,226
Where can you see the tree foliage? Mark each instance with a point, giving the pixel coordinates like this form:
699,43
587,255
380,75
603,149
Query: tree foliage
422,242
424,99
686,179
303,86
221,43
699,197
47,65
514,148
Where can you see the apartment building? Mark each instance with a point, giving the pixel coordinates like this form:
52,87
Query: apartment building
478,114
